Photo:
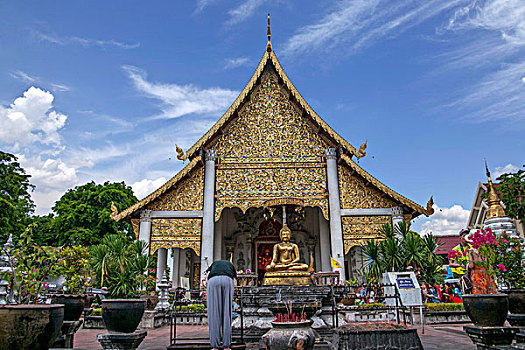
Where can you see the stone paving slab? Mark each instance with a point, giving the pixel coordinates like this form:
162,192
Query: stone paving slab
436,337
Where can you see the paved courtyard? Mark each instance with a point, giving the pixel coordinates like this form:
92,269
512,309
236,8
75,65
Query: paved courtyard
437,337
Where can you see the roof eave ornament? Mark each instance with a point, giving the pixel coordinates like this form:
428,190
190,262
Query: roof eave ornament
269,34
495,209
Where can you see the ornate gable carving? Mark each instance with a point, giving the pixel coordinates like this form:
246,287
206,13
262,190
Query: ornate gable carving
270,125
355,193
186,195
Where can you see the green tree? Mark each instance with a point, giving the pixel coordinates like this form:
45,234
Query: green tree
511,190
43,230
15,198
83,213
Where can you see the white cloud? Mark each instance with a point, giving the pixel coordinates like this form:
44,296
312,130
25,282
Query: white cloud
509,168
51,178
60,87
446,221
231,63
201,4
244,11
144,187
179,100
30,118
355,24
22,76
85,42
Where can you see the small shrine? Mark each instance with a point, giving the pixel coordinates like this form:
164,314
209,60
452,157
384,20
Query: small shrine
269,165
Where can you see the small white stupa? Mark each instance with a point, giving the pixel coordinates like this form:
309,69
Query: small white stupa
496,218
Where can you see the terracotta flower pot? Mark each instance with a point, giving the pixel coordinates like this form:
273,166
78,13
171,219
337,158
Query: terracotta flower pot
32,326
486,309
122,315
73,305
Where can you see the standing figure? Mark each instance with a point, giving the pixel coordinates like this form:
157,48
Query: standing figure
220,297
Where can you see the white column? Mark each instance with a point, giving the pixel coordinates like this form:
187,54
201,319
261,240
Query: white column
175,268
397,217
162,257
145,226
336,232
208,211
324,242
217,249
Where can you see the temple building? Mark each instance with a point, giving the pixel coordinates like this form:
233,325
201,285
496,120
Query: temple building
490,212
269,160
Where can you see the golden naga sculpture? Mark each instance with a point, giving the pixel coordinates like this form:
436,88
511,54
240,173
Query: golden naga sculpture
114,210
180,153
286,254
430,210
285,268
361,153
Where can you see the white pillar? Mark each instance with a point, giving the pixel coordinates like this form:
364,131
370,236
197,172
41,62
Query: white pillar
175,268
324,242
162,257
217,249
336,232
145,226
208,211
397,217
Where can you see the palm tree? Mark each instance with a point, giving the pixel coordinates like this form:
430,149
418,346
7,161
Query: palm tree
372,253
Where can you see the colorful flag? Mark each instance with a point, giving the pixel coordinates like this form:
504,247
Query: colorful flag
335,263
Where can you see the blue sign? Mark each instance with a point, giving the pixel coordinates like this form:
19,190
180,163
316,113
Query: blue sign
405,283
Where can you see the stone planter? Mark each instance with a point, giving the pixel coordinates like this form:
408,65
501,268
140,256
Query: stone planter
516,300
122,315
30,326
73,305
289,335
151,301
486,309
383,336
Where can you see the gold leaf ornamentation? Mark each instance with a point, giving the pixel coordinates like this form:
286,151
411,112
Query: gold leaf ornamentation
357,229
187,195
355,193
176,233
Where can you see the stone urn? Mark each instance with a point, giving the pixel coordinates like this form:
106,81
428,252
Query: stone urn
486,309
30,326
516,300
122,315
289,335
73,305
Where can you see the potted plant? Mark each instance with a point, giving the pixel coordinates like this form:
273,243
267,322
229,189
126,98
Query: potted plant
511,271
115,264
485,306
29,266
73,266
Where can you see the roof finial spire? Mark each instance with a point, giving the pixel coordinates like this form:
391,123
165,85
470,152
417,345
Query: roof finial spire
269,34
495,209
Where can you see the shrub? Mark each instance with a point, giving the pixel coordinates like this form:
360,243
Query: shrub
97,312
444,307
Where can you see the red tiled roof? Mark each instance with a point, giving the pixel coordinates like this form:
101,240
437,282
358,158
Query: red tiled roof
447,243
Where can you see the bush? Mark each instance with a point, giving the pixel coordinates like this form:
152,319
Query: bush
371,306
97,312
444,307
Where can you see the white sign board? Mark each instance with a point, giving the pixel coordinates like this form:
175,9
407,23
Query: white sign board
407,285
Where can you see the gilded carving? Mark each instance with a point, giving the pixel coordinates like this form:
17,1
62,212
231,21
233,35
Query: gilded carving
135,223
186,195
176,233
271,125
355,193
357,229
253,187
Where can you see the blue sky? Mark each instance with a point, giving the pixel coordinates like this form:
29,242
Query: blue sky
103,90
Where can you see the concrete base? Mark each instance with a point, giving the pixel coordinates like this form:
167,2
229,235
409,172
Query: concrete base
126,341
287,278
488,337
152,319
67,333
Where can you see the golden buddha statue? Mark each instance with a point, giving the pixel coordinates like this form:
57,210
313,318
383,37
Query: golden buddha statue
285,268
286,254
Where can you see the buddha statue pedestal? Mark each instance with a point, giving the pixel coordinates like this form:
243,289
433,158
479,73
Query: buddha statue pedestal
287,278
